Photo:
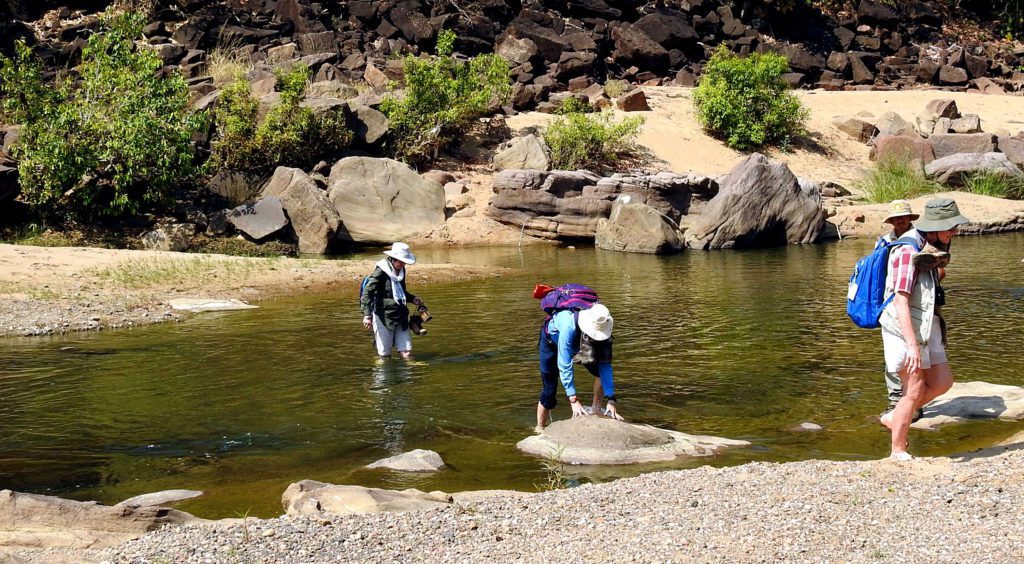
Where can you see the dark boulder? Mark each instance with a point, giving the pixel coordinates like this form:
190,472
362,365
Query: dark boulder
634,47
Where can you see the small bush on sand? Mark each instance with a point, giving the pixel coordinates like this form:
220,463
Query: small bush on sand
442,97
591,141
995,185
615,88
574,105
745,102
895,179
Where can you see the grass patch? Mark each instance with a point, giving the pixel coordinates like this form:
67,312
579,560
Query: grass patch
227,63
139,274
994,184
895,180
45,294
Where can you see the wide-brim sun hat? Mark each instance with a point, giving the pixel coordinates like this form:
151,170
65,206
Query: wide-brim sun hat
940,214
900,208
401,252
596,322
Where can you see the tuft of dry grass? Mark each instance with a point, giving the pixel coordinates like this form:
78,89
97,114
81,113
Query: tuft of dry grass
225,63
138,274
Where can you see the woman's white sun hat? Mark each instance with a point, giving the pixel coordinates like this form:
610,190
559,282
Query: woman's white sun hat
596,322
401,252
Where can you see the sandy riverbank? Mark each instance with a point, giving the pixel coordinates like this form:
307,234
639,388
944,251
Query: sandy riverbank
46,290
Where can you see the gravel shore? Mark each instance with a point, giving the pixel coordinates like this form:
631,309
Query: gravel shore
959,509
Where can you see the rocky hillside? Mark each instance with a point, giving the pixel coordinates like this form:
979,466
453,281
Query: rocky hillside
554,44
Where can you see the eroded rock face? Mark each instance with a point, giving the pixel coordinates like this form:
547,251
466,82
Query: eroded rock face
569,204
634,227
317,499
973,400
383,200
902,148
602,440
177,237
42,521
760,203
311,213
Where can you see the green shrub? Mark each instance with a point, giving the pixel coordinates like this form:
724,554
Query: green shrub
895,179
745,102
112,143
574,105
442,98
591,141
997,185
290,134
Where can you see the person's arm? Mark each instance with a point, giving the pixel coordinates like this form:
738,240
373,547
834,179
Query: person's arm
604,372
565,325
913,360
369,296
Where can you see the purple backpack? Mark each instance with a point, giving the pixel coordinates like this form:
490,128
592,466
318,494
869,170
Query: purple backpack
568,296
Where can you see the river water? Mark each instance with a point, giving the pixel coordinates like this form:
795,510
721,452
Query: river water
738,344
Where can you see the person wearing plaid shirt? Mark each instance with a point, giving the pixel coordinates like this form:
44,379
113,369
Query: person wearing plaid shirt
911,326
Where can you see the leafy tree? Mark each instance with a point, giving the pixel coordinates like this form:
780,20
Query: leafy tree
442,96
112,143
745,101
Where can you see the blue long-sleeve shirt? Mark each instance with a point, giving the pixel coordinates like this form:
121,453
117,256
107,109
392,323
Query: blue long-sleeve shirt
562,330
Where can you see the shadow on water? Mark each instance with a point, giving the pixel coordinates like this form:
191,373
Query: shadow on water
744,345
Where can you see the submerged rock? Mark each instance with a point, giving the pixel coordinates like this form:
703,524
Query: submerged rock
601,440
973,400
197,305
159,498
418,460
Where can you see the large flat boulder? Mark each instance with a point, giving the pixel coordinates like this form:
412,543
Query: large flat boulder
954,169
973,400
42,521
760,203
317,499
634,227
602,440
310,212
383,200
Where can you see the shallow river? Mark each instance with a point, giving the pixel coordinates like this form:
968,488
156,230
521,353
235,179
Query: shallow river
735,344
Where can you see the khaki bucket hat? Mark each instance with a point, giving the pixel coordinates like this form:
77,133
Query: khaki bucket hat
940,214
900,208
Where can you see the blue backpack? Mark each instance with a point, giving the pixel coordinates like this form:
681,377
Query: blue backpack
362,287
865,298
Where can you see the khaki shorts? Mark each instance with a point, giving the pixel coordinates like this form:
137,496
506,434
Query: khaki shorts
386,338
932,354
